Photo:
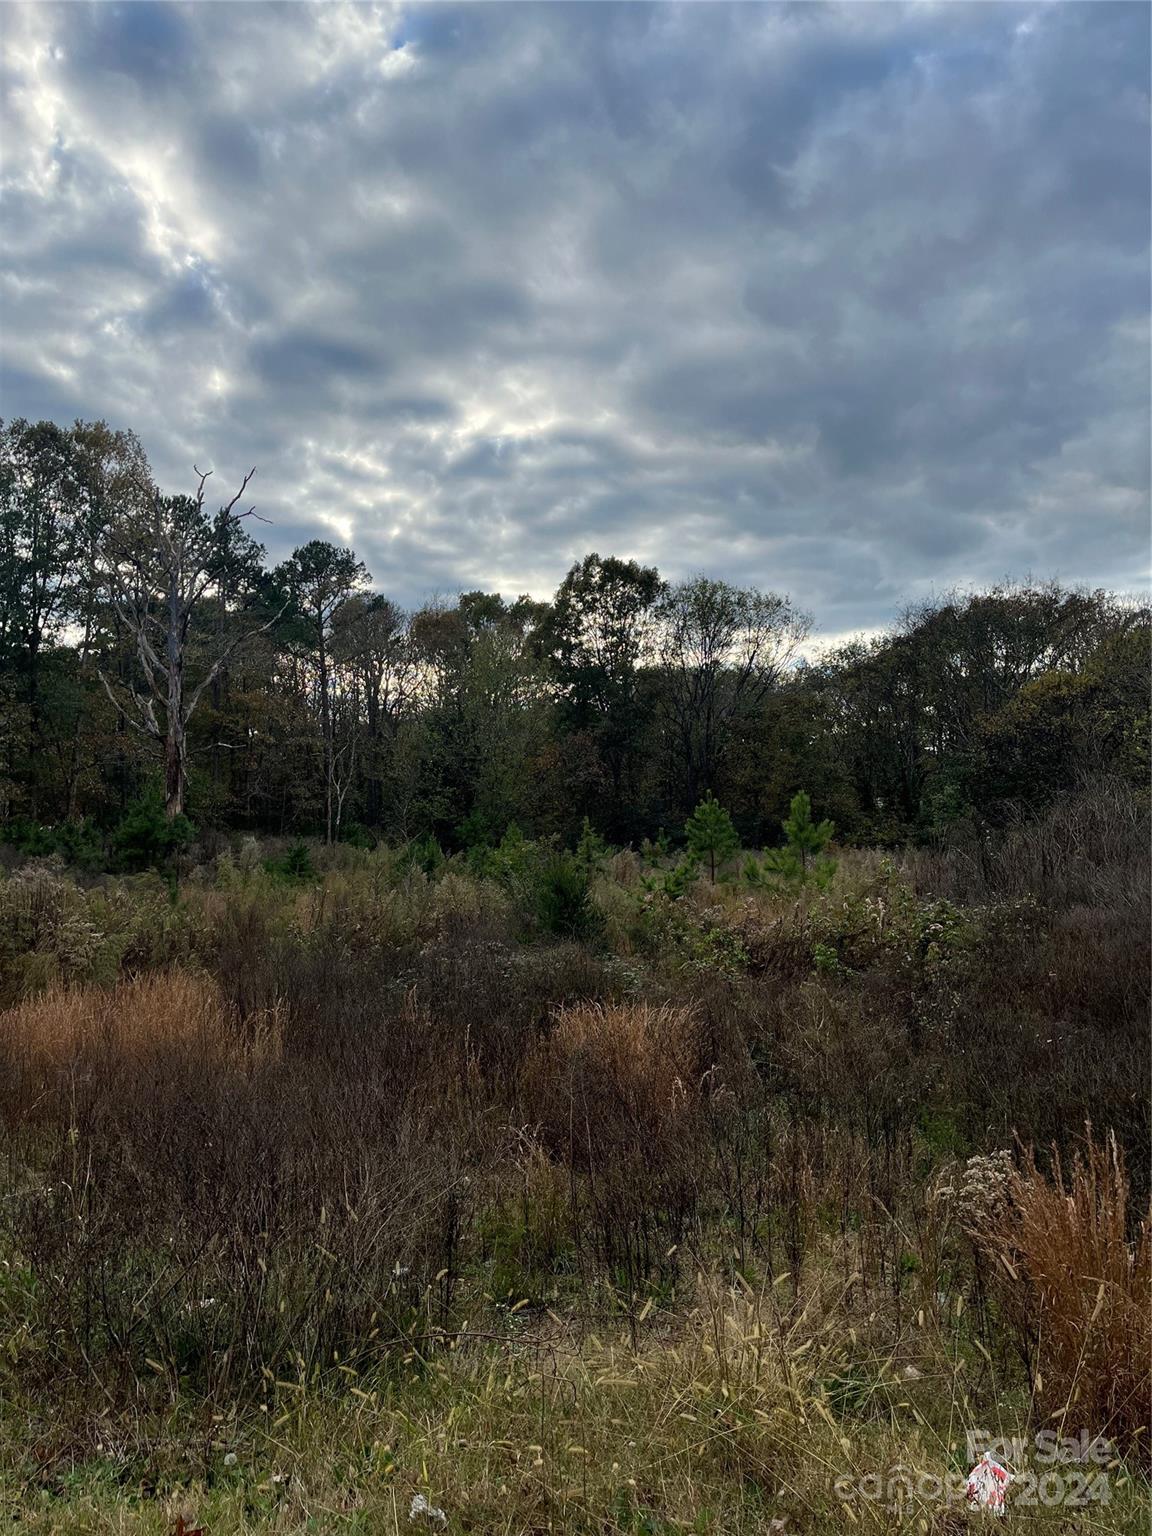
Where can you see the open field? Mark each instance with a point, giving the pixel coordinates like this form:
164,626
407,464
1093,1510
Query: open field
665,1209
575,765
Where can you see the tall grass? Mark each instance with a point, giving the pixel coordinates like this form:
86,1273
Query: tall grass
359,1128
1074,1262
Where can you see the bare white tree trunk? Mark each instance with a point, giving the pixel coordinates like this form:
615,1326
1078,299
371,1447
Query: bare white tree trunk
157,574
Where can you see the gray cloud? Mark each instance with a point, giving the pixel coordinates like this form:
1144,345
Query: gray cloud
848,300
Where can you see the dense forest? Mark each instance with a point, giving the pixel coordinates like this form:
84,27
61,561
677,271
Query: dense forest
151,655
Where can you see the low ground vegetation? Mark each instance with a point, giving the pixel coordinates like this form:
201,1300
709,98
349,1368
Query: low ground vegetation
573,1189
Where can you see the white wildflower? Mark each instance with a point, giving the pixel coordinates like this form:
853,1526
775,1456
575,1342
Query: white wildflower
984,1190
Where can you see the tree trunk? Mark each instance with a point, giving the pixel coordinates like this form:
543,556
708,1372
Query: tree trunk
175,751
174,770
326,730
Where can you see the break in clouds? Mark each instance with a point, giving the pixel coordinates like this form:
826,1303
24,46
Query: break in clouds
844,300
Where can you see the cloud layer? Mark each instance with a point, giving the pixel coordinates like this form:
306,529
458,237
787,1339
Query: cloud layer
845,300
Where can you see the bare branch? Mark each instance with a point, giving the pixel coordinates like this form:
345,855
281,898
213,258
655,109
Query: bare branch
149,728
226,509
218,665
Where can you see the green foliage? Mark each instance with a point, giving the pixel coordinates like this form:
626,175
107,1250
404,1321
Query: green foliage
593,638
354,834
550,887
591,850
946,805
712,950
620,699
1064,724
511,863
929,949
78,843
294,864
525,1244
939,1129
802,857
710,834
563,899
148,839
674,882
827,962
47,937
423,853
658,847
55,933
476,832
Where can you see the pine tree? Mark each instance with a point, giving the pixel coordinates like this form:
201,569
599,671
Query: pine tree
802,858
591,850
710,833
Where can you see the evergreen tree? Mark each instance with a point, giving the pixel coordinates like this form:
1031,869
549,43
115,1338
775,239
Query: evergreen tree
802,858
710,833
591,850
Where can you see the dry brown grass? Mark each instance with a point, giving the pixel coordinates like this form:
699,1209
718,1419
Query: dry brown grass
1078,1280
366,1110
149,1013
164,1150
615,1094
179,1017
644,1057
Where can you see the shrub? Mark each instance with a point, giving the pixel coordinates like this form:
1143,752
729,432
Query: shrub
75,842
47,934
463,908
423,853
563,899
146,838
656,848
294,864
354,834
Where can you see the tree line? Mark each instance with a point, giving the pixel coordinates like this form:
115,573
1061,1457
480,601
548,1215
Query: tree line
147,647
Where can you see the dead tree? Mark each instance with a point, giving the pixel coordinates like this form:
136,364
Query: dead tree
159,565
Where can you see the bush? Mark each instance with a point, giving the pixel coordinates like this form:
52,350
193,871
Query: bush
563,899
355,835
75,842
511,862
47,935
294,864
147,839
423,853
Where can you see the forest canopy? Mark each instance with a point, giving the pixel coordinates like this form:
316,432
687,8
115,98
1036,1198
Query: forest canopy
149,648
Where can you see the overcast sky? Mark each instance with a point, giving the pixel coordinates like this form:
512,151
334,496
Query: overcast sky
848,301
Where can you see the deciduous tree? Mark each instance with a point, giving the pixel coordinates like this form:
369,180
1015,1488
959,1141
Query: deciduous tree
160,566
